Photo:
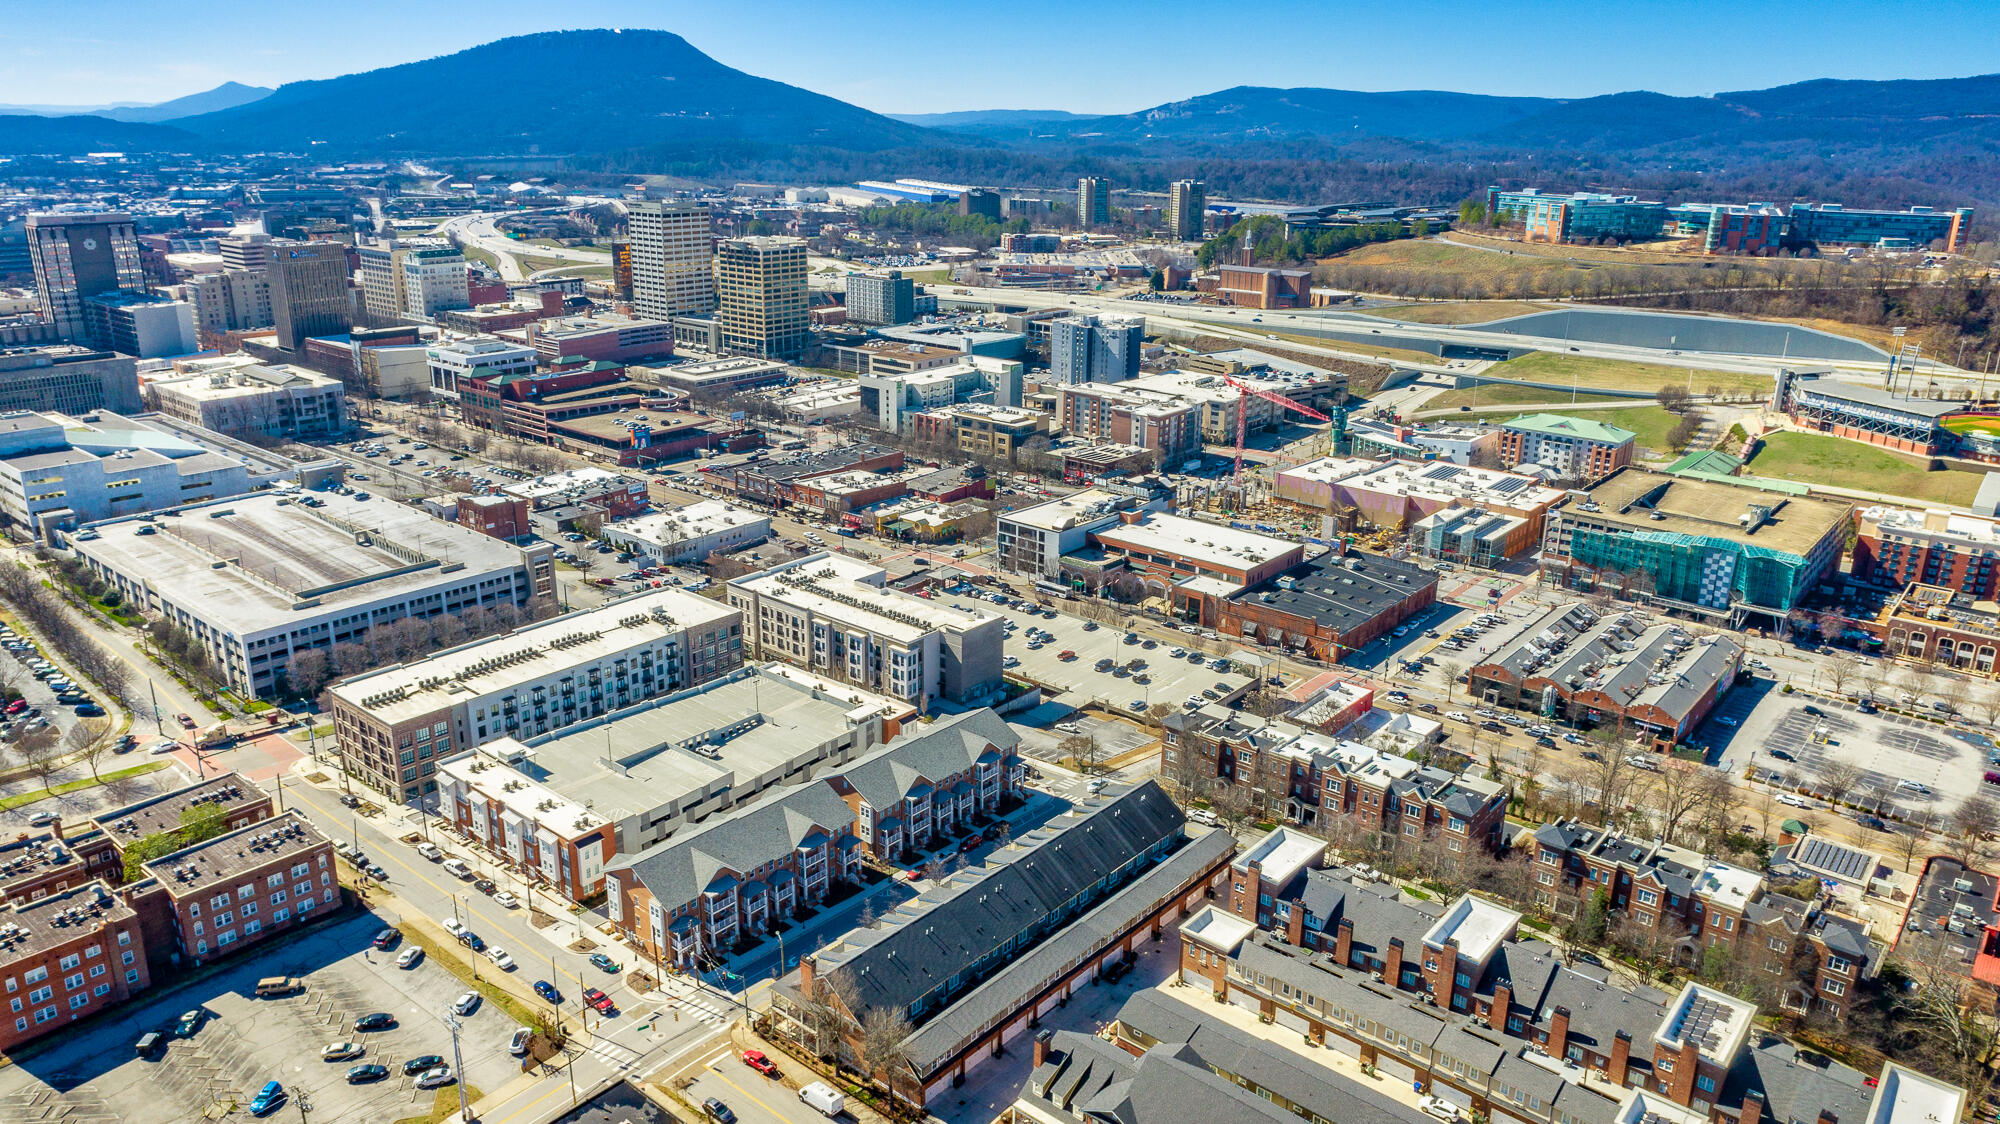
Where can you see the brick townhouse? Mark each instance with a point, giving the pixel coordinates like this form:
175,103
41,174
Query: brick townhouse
65,956
1315,781
248,886
1814,958
697,895
1506,1028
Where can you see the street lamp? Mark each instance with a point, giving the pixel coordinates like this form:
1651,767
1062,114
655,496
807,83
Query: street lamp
458,1066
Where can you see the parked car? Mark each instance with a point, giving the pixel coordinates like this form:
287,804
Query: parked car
756,1060
548,991
507,899
189,1022
605,963
411,957
518,1044
500,958
1440,1108
466,1003
362,1074
387,939
435,1078
268,1099
717,1111
421,1063
377,1020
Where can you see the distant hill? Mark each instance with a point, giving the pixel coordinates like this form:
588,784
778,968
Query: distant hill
22,134
989,121
559,92
221,97
226,96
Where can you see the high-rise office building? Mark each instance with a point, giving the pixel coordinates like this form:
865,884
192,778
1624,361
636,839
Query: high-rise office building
77,256
144,325
621,268
232,300
1095,348
672,259
979,201
308,290
1186,202
243,251
761,284
414,279
881,300
1093,202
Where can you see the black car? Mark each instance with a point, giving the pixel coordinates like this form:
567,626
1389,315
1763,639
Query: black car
387,939
417,1065
1873,823
718,1112
485,886
1782,755
361,1074
1814,711
379,1020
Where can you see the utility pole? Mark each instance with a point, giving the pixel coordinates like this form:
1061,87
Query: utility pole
458,1066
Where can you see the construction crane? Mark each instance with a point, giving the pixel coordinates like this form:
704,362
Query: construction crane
1243,416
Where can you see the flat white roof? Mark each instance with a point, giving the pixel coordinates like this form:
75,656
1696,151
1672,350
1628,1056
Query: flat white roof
592,480
261,561
1438,480
837,587
1060,515
484,770
530,653
1715,1022
1282,854
709,517
1732,886
1218,929
1157,532
1477,924
1904,1096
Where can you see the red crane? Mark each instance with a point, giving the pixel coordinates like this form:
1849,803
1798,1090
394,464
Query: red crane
1243,415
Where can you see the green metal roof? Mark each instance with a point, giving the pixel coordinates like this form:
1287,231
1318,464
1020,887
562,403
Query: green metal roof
1562,425
1712,461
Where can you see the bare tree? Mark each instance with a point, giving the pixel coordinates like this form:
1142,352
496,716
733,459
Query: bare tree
1082,749
1452,669
1679,797
1971,824
1231,805
1911,841
1837,780
884,1054
824,1016
41,754
1840,673
90,740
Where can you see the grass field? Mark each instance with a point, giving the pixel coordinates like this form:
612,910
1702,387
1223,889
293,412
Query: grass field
1481,396
22,799
1402,354
1812,458
1972,424
1459,312
484,257
1622,374
1651,423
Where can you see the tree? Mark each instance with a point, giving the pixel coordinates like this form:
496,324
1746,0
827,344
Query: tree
90,740
308,672
1231,805
883,1053
1452,670
824,1016
1971,823
1082,748
41,753
1158,712
1680,797
1840,673
1837,780
1673,398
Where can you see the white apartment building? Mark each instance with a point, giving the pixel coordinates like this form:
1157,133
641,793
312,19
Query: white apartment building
394,724
434,280
689,534
1032,540
834,615
243,398
673,251
59,471
455,359
261,577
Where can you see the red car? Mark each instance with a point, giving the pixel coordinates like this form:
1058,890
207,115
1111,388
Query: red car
597,999
756,1060
186,720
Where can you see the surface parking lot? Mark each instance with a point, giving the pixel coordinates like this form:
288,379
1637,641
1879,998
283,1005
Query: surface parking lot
1170,678
1883,748
245,1041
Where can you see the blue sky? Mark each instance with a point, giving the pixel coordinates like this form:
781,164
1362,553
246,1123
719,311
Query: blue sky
1097,56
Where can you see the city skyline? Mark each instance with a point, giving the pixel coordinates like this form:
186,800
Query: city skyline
158,56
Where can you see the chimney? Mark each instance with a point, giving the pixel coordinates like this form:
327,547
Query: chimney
1559,1032
806,975
1503,1005
1392,963
1752,1111
1042,1038
1295,925
55,828
1826,1116
1243,902
1343,941
1621,1057
1685,1067
1443,978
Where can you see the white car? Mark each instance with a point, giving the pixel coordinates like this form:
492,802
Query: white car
1794,800
1439,1107
341,1051
435,1078
1458,716
518,1044
411,957
506,898
466,1004
431,852
453,926
164,745
500,958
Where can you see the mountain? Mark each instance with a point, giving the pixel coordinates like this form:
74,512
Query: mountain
22,134
222,97
1245,112
594,91
226,96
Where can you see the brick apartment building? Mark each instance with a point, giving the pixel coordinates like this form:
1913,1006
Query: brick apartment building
1566,446
1328,607
1257,286
1813,959
1894,547
500,517
75,937
248,886
779,480
1313,780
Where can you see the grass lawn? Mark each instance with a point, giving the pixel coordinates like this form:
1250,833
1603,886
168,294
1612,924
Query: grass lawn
1623,374
1651,423
484,257
444,1104
1813,458
1378,351
1502,395
1459,312
531,264
9,803
1973,424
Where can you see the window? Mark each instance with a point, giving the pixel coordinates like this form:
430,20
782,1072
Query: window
131,975
73,981
277,878
1705,1083
96,970
93,952
76,1001
219,901
71,961
226,917
225,937
1831,986
35,975
101,990
125,958
249,909
1838,964
1777,944
1648,897
277,897
246,891
41,994
250,927
281,916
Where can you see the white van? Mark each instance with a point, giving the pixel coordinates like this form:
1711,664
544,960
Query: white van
823,1097
1202,816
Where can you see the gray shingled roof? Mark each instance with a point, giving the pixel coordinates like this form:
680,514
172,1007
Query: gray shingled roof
1330,895
951,745
1797,1085
1087,1078
1598,1011
918,960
